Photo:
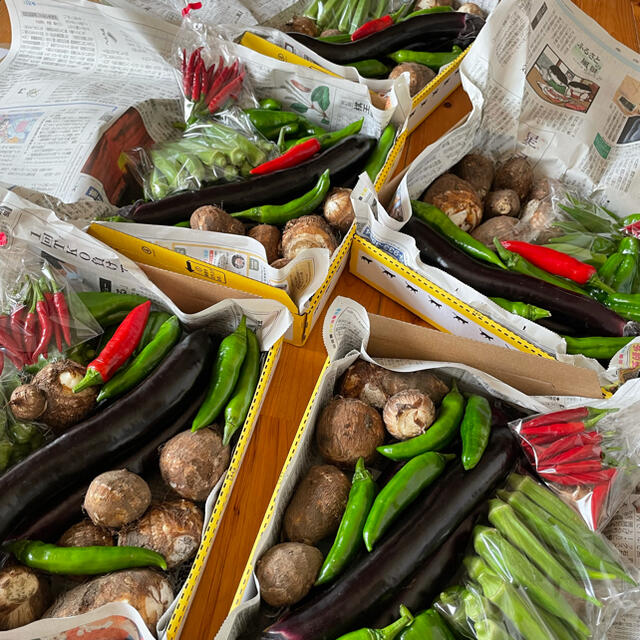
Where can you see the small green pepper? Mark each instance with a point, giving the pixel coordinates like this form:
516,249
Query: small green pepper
269,122
271,104
329,139
601,348
235,413
81,560
424,12
522,309
378,157
428,59
338,37
607,271
370,68
405,486
109,308
429,625
626,271
438,436
388,633
155,321
349,537
474,430
630,219
226,371
184,223
281,213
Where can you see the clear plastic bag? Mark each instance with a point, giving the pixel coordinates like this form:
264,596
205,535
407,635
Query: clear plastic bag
589,457
42,314
534,570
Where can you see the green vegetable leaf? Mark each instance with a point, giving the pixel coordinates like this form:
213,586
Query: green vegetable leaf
321,96
300,108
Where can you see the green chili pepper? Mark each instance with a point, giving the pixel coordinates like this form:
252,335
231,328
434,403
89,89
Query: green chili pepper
155,321
405,486
349,536
338,37
388,633
269,121
442,223
237,408
490,630
630,219
184,223
428,59
474,430
424,12
378,157
271,104
505,596
279,214
518,264
601,348
329,139
81,560
145,362
522,309
428,625
510,564
626,271
504,518
109,308
608,270
226,371
370,68
438,436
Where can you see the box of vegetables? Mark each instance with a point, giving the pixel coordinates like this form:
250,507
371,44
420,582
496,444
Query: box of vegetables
503,229
404,490
123,429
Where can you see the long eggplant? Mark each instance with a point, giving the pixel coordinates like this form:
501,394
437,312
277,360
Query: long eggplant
354,599
68,461
345,162
430,578
430,32
50,524
568,308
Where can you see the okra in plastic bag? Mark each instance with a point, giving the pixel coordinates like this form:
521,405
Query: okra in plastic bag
589,457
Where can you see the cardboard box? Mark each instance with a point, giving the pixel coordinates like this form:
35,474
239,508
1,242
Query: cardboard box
389,338
228,284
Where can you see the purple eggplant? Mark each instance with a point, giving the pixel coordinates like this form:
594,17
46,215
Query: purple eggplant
88,448
371,581
430,32
567,307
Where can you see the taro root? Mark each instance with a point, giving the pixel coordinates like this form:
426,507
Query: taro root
408,414
478,171
28,402
63,408
280,262
307,232
516,173
338,209
535,222
419,75
287,572
430,4
502,227
192,462
146,590
172,528
302,24
470,7
24,595
374,385
317,505
457,198
503,202
268,236
85,534
540,190
115,498
212,218
348,429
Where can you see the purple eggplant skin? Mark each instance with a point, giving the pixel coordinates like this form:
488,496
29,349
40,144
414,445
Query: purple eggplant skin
431,32
354,599
581,312
433,575
345,161
51,524
87,448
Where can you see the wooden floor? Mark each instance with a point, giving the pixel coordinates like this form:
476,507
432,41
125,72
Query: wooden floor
298,369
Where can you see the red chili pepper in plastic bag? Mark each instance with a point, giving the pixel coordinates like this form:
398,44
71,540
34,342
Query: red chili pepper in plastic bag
12,348
582,452
552,261
46,330
599,496
558,416
53,315
62,311
568,442
30,327
571,468
118,349
291,158
371,27
553,431
579,479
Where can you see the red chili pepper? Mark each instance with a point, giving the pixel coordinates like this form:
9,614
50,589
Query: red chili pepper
582,452
62,311
1,361
191,68
599,496
571,468
291,158
552,261
557,430
118,349
55,321
229,91
30,326
578,479
13,350
371,27
183,70
46,330
565,415
567,442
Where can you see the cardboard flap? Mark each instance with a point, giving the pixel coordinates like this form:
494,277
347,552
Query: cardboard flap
530,374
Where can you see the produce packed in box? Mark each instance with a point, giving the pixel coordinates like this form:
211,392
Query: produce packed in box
119,426
509,213
407,509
